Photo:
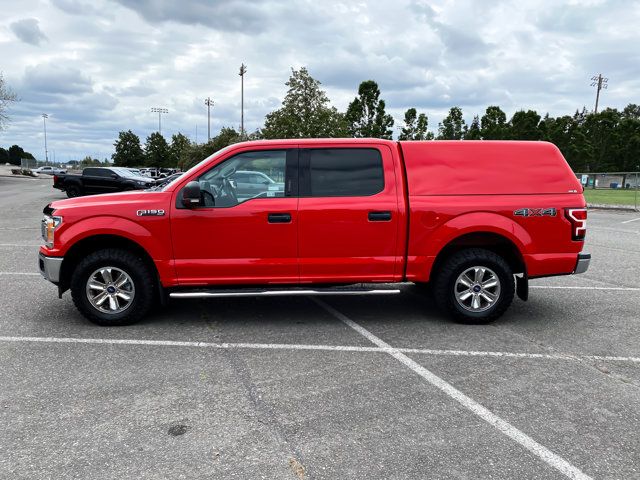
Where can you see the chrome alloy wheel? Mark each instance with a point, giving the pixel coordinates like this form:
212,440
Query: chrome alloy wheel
477,289
110,290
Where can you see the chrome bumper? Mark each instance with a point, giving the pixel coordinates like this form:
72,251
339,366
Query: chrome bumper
583,262
50,267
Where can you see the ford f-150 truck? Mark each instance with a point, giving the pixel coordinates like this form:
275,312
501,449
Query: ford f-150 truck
474,219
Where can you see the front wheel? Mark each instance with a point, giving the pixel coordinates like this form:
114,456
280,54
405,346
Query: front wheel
73,191
112,287
474,286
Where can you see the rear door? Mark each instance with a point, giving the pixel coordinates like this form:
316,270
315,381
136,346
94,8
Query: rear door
349,214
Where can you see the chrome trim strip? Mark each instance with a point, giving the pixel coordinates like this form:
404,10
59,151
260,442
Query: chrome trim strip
280,293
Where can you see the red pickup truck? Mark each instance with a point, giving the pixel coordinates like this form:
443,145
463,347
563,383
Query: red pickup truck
475,220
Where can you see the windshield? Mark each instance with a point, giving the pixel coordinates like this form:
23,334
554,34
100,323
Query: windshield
123,172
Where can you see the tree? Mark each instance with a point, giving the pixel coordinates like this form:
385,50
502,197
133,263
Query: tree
305,111
4,156
156,151
493,124
128,151
366,116
415,126
16,154
452,126
473,132
196,153
525,125
179,144
7,96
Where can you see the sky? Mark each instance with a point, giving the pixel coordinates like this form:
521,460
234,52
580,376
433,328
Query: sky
97,67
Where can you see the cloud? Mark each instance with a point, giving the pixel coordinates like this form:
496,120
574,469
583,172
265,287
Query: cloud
28,31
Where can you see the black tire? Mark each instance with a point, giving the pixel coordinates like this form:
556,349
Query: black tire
73,191
142,278
444,285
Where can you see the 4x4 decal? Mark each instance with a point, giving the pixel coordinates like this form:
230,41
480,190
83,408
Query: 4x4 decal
535,212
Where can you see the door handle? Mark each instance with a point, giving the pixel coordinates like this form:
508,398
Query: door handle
379,216
279,218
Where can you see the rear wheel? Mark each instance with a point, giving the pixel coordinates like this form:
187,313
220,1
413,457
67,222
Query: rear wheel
73,191
112,287
474,286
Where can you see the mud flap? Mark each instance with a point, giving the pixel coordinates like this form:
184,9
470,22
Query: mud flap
522,286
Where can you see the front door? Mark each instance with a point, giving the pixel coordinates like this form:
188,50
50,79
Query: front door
236,238
349,215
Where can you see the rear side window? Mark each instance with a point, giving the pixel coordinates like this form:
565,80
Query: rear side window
97,172
344,172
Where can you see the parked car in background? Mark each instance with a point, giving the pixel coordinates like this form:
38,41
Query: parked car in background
161,182
135,171
249,184
101,180
48,170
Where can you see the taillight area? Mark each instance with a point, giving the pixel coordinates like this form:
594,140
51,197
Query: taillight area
578,219
55,179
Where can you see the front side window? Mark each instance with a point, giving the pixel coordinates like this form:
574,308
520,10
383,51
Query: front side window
345,172
244,177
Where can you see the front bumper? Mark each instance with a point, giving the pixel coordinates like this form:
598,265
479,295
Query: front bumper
583,262
50,267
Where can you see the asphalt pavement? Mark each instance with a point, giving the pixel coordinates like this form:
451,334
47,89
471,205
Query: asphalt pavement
344,387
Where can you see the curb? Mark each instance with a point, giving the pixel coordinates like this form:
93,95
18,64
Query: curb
604,206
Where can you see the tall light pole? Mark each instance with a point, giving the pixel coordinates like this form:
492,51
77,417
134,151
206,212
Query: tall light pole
160,111
599,82
209,103
44,121
243,70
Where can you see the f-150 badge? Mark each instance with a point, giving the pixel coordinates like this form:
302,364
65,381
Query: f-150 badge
535,212
150,213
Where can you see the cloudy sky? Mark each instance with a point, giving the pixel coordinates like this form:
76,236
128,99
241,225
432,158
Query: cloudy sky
98,66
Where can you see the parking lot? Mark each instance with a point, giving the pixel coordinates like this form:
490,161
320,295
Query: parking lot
337,387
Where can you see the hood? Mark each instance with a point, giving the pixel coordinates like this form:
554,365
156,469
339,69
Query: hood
106,199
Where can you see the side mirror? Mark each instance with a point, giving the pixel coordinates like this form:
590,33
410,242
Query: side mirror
114,176
191,195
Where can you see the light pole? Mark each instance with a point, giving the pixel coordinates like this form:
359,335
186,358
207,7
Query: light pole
44,121
243,70
600,83
209,103
160,112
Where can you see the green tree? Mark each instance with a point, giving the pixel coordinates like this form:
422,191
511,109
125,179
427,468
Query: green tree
16,154
473,132
493,124
179,144
128,152
415,126
195,153
452,126
525,126
366,116
7,97
305,111
4,156
156,151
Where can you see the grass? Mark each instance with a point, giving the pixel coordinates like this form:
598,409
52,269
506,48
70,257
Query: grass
611,197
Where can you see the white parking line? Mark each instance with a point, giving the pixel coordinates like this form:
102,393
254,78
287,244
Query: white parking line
28,274
562,287
491,418
20,245
632,220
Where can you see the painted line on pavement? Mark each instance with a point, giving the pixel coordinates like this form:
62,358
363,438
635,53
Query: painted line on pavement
550,458
560,287
28,274
632,220
20,245
329,348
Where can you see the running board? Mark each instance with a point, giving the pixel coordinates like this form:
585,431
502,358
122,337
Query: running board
281,293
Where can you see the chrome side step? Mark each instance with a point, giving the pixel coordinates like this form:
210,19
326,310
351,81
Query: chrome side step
280,293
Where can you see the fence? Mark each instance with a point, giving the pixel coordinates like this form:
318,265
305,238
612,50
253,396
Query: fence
618,189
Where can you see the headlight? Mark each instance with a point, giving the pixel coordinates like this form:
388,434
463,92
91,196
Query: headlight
48,227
